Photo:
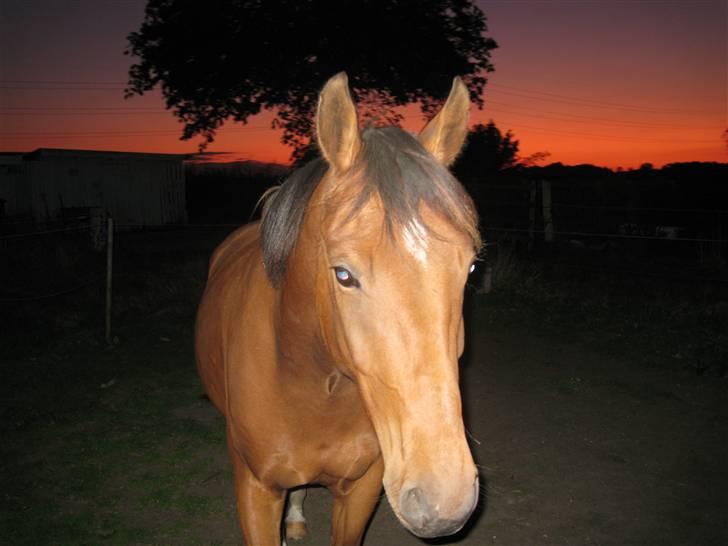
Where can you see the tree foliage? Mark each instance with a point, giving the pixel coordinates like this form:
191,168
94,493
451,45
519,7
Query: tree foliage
231,59
487,151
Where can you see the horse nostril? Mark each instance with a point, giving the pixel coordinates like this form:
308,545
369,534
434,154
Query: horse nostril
415,508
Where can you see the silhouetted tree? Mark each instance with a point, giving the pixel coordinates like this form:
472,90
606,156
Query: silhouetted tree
220,60
534,159
486,151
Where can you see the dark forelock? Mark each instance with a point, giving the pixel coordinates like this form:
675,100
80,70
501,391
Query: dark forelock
393,165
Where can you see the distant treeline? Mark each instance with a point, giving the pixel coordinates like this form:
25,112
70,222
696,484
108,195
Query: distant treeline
222,193
691,196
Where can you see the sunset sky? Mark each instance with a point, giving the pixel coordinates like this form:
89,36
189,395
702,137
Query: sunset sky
613,83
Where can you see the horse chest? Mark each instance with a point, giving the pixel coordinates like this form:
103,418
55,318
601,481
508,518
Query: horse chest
346,457
306,443
333,448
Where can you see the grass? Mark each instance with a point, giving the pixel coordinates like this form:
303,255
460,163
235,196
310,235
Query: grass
98,442
656,318
108,444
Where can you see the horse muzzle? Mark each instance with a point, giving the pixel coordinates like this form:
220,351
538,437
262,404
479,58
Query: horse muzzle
424,516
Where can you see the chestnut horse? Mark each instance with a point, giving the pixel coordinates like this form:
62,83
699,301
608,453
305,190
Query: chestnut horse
329,333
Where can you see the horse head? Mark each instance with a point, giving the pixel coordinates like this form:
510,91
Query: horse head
385,246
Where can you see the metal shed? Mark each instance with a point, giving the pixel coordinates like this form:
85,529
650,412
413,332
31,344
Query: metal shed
134,188
14,192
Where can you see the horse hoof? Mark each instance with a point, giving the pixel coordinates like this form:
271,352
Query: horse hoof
296,530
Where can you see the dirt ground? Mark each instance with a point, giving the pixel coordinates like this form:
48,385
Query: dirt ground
577,445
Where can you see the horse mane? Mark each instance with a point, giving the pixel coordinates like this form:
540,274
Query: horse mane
392,164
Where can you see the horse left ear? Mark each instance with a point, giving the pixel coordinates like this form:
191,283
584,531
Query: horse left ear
444,135
336,124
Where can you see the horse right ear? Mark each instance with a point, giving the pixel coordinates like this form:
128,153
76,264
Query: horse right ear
336,124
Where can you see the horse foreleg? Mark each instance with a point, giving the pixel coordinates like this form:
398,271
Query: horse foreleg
260,508
295,522
354,505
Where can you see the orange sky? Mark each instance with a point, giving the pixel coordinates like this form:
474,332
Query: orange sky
602,82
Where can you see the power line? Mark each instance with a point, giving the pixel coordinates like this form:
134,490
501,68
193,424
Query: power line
67,114
62,82
35,88
83,108
604,106
586,102
571,118
88,85
557,116
116,110
142,132
150,132
111,134
552,97
575,117
615,138
87,133
616,124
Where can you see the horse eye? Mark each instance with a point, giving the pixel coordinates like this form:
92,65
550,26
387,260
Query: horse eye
345,278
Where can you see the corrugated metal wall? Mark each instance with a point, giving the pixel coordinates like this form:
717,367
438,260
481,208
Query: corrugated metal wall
135,190
14,189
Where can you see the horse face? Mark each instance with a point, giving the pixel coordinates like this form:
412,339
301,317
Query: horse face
395,321
390,297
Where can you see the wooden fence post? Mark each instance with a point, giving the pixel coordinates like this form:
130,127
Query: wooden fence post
548,220
532,215
487,287
109,270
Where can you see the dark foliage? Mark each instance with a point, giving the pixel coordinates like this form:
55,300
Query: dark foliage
221,60
225,196
639,207
487,151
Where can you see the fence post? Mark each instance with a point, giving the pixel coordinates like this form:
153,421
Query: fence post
97,219
548,220
487,287
109,270
532,215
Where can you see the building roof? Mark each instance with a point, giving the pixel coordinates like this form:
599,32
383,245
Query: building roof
11,158
45,153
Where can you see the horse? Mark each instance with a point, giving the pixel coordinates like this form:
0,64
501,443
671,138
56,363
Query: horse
329,332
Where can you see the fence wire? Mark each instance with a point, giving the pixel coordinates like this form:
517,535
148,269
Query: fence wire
12,242
604,235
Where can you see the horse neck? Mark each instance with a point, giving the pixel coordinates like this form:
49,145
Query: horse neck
298,324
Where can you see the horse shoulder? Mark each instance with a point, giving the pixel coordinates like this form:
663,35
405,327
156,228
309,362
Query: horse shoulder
236,246
235,269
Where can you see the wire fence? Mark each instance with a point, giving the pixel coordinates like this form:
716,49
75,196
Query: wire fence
603,235
47,263
41,232
94,278
39,264
622,208
51,261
